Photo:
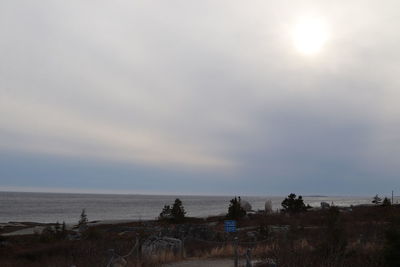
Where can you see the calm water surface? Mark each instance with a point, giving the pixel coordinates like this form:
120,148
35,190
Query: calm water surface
52,207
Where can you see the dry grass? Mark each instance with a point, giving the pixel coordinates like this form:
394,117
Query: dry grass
161,258
308,242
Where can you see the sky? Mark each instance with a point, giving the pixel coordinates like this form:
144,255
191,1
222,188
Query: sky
199,97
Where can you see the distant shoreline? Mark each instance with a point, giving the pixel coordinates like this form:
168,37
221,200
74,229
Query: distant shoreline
183,194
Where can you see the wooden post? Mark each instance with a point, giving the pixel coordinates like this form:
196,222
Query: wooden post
235,242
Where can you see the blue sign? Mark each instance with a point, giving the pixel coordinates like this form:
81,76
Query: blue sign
230,226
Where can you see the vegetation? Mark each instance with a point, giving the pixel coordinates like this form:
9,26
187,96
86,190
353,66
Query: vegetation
376,200
175,214
335,241
386,202
392,244
367,236
235,209
166,213
83,220
178,212
51,233
291,204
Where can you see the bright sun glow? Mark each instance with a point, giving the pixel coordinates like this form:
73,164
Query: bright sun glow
310,35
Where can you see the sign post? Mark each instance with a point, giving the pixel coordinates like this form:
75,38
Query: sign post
230,227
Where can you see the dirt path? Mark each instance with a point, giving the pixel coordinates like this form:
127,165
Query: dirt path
202,263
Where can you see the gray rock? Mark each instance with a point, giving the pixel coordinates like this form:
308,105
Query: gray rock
268,206
245,205
325,205
155,245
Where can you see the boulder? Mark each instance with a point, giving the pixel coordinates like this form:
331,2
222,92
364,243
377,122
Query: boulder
245,205
325,205
268,206
154,245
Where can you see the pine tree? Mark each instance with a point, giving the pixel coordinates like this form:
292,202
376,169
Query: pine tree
83,219
293,205
235,210
386,202
376,200
178,212
57,227
165,213
64,227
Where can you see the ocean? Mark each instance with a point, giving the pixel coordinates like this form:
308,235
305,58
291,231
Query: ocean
53,207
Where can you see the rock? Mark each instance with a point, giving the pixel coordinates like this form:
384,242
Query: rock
268,206
245,205
325,205
155,245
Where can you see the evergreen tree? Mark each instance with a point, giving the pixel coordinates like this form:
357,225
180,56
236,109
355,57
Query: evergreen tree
83,219
235,210
386,202
178,211
57,227
165,213
293,205
63,227
376,200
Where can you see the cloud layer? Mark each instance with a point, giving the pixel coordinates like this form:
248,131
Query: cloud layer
198,94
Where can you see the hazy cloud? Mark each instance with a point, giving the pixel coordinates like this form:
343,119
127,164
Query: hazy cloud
202,92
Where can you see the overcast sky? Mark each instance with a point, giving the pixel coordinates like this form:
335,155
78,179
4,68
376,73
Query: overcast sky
199,97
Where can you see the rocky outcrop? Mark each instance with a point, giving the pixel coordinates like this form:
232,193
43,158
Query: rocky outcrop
155,245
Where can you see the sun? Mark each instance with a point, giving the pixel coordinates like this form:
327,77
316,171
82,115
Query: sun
310,35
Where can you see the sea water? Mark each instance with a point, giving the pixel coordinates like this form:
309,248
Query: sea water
52,207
